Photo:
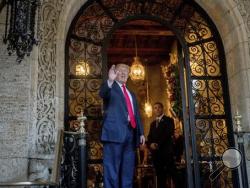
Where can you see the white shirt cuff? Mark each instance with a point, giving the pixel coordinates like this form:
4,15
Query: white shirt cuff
110,83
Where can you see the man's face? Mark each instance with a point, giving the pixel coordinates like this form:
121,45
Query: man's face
158,110
122,74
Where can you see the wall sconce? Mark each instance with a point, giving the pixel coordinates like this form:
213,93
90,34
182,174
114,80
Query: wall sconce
137,71
82,68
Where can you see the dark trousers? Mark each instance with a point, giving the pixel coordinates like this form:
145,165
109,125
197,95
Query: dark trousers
164,171
162,177
119,162
180,178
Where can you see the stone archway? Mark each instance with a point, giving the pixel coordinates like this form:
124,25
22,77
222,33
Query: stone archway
231,49
229,23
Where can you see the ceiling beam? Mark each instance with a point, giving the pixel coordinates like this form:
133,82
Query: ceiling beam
143,22
139,51
144,32
129,60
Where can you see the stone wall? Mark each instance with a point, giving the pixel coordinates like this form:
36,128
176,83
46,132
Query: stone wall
244,8
27,103
14,113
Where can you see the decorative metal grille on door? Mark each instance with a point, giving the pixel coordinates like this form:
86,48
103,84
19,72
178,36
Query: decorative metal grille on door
209,112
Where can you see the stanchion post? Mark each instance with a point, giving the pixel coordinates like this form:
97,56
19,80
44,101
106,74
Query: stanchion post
82,151
240,141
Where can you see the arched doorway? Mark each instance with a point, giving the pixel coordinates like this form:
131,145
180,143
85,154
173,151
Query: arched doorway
205,103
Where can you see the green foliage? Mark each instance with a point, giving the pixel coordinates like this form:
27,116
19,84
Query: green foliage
172,76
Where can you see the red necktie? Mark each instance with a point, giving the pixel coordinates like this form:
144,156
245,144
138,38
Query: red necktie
129,107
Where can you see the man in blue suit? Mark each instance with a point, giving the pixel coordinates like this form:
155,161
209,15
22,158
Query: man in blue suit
122,129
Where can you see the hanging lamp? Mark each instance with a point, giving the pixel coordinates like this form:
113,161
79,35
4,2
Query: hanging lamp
148,106
137,71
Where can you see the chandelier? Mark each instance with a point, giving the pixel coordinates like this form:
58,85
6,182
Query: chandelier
20,27
82,68
137,71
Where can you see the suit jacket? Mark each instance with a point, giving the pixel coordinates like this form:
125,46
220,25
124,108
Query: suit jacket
163,136
115,118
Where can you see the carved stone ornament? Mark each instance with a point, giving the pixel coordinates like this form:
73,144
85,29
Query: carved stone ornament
46,86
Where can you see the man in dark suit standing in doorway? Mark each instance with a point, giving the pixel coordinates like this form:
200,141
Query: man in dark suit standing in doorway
160,143
122,129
